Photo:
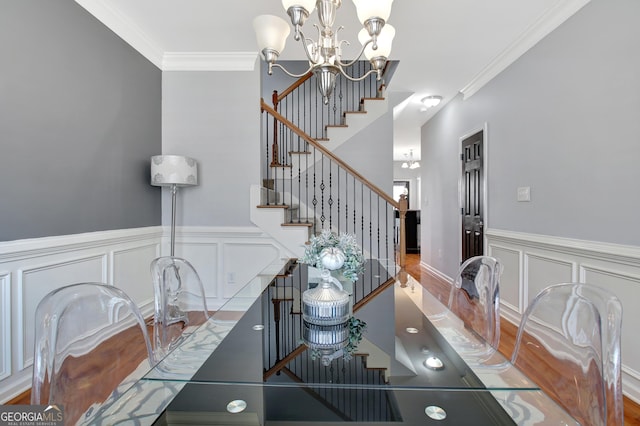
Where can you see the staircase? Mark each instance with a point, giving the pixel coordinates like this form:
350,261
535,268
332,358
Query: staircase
306,188
280,213
288,359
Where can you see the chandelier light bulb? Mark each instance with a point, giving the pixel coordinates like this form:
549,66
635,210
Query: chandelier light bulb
367,9
271,33
325,54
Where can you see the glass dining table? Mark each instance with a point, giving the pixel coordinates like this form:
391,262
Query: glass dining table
401,359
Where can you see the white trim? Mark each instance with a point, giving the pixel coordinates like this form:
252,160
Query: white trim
593,249
209,61
436,273
27,248
620,262
5,326
126,29
544,25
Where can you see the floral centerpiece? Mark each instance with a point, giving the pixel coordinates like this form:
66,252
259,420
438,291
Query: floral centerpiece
319,250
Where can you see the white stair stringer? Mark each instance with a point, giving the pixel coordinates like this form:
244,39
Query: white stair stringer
376,357
293,238
355,122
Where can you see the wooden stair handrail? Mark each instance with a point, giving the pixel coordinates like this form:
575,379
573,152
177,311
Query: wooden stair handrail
295,129
299,82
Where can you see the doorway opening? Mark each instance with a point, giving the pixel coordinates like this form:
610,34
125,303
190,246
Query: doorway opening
472,195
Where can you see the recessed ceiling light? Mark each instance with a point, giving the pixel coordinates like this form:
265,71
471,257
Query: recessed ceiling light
236,406
431,101
435,412
434,363
258,327
412,330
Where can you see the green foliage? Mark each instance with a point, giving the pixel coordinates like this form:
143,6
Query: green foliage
356,328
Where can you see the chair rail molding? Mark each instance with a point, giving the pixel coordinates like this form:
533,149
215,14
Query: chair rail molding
534,261
227,258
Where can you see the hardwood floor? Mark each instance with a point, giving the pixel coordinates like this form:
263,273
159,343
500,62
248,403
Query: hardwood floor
508,330
440,289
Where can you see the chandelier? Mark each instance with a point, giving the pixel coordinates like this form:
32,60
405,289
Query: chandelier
325,54
410,163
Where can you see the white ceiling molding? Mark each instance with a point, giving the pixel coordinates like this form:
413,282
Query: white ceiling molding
125,28
209,61
549,21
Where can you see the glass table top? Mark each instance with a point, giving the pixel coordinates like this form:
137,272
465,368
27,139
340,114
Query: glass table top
413,362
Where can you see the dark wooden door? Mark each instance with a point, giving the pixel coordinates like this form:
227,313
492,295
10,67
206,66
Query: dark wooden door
472,196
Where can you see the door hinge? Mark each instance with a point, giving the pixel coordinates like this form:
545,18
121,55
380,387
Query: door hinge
461,211
461,157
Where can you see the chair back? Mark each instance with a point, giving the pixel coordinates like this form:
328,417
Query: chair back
180,302
568,342
475,297
91,344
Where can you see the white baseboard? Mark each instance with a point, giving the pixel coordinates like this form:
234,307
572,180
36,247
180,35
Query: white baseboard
532,262
227,258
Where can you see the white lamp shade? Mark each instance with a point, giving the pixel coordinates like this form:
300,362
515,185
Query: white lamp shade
177,170
271,32
308,5
385,40
373,9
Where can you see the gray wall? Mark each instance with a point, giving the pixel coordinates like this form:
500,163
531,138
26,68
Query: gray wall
80,115
214,117
564,120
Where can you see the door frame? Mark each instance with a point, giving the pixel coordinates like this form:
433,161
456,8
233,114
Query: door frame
485,186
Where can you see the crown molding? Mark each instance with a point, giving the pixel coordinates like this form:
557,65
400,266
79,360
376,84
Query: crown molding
124,28
209,61
545,24
132,34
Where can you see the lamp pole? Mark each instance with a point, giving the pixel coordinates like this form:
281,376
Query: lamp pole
174,191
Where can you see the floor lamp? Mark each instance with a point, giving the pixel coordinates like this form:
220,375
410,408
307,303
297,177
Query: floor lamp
173,171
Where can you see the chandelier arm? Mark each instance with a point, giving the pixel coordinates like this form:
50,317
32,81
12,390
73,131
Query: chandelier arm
348,64
348,77
291,74
304,39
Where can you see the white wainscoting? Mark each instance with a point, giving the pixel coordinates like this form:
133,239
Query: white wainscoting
532,262
226,259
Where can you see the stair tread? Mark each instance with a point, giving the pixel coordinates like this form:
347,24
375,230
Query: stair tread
307,224
273,206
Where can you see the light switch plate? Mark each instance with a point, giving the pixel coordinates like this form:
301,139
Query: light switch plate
524,193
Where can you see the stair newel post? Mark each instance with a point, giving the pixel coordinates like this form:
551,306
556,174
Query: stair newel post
402,249
274,145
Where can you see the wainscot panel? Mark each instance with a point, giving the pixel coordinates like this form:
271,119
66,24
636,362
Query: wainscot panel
544,260
31,268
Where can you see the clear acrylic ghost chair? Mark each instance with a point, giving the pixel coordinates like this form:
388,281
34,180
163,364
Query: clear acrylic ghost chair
91,344
475,299
568,342
180,302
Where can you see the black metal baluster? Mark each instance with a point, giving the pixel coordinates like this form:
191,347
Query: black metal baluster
330,200
315,198
322,186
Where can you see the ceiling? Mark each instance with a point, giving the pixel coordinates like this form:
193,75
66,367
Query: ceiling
444,47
